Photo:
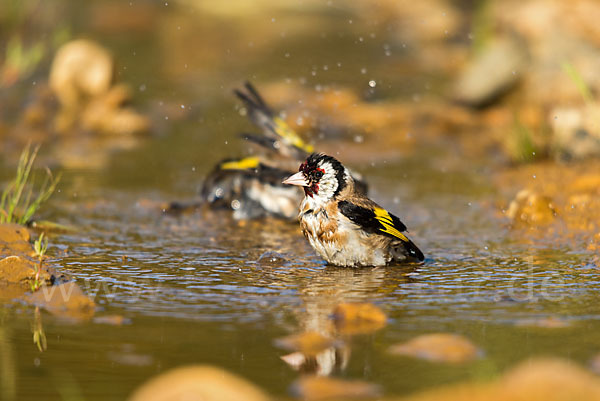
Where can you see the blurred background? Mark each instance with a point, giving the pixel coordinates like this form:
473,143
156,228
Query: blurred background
510,81
477,122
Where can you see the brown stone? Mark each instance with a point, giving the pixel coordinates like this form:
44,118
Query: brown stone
198,383
439,347
536,379
531,208
325,388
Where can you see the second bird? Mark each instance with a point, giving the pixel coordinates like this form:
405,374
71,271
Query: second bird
344,226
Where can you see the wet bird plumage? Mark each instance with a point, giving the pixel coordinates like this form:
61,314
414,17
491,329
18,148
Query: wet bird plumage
344,226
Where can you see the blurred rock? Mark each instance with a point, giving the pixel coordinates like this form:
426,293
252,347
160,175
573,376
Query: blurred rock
358,318
80,69
493,71
82,76
531,208
113,320
439,347
547,323
535,379
124,357
314,388
107,114
198,383
576,131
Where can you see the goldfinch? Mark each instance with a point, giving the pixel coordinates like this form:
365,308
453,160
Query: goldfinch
251,189
344,226
252,186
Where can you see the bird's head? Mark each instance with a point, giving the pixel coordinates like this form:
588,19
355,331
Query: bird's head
322,177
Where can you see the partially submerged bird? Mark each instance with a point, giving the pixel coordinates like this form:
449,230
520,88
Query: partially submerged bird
252,186
343,225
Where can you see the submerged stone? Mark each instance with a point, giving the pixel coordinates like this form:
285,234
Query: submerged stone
531,208
439,347
64,300
535,379
314,388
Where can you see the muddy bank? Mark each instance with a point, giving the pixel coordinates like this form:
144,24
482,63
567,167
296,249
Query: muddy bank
26,277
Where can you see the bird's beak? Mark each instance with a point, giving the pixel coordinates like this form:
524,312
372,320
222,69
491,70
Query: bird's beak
296,179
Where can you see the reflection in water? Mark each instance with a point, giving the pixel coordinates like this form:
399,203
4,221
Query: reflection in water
39,337
320,297
8,367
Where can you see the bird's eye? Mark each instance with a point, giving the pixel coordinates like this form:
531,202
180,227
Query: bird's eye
318,174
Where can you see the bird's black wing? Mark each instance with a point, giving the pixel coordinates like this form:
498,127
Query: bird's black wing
379,221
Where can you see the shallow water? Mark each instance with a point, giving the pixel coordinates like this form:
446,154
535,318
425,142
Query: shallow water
201,288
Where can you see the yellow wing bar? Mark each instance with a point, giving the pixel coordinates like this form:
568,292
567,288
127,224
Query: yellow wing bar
242,164
385,219
284,131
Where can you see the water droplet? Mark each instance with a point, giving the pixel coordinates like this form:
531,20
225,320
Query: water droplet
359,139
235,204
372,83
363,70
166,117
273,19
183,106
193,168
300,121
534,177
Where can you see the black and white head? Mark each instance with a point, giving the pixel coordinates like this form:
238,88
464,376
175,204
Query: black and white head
322,177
